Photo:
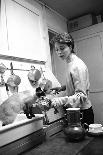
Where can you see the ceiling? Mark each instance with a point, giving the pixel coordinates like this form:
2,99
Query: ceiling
75,8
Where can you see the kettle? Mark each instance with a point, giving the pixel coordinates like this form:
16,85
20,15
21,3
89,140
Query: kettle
74,130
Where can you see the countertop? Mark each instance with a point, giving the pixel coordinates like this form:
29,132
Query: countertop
57,145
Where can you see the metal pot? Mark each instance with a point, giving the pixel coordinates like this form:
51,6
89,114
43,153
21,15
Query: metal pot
34,75
13,80
46,85
2,68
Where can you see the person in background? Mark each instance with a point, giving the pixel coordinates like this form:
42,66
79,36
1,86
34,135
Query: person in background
77,79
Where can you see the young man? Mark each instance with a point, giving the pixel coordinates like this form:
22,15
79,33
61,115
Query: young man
77,78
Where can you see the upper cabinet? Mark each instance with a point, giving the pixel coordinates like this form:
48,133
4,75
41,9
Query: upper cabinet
24,31
3,30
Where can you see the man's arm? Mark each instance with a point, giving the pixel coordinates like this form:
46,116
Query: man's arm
59,89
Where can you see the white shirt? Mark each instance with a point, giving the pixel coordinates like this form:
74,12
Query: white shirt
77,81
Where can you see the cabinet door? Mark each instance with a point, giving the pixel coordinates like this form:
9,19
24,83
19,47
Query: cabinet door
3,30
0,26
24,32
89,49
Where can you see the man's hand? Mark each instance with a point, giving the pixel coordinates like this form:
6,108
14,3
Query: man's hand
73,101
56,102
59,101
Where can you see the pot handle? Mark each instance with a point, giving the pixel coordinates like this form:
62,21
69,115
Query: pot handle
85,126
11,65
81,116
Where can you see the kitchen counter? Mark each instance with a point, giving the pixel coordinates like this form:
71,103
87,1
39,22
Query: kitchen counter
95,147
58,145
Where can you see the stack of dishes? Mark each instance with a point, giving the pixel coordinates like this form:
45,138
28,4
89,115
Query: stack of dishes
95,129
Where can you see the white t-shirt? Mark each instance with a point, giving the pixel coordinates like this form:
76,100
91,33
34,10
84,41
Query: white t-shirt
77,80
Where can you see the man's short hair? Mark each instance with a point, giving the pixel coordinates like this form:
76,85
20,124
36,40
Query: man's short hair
64,38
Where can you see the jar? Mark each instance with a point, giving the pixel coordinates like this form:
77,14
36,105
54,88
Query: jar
74,131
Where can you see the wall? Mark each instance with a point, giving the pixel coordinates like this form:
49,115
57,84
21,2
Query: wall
55,22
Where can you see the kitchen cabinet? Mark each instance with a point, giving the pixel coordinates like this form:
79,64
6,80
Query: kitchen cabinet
0,22
24,31
3,30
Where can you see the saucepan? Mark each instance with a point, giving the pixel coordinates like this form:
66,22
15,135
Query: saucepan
2,68
13,80
2,71
34,75
46,85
